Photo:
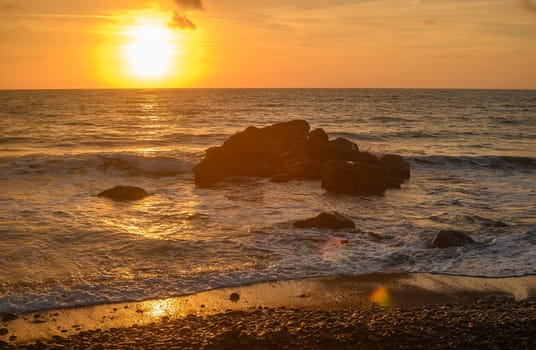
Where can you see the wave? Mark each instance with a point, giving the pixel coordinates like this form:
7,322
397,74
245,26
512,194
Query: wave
386,136
12,139
487,162
390,119
357,137
133,164
155,166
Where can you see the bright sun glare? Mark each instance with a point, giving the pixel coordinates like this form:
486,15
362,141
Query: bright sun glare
150,50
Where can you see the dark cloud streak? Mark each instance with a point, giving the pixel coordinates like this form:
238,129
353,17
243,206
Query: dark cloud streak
529,5
190,4
10,7
180,21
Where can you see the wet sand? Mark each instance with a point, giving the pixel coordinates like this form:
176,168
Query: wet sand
370,311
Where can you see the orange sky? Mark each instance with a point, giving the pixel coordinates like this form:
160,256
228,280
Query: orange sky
273,43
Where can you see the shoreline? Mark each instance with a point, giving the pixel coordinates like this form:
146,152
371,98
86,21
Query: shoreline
320,294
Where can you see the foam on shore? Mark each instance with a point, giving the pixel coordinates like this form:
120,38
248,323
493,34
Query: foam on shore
327,293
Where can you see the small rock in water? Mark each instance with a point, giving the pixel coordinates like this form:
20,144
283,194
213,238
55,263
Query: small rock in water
124,193
499,224
446,238
234,297
331,220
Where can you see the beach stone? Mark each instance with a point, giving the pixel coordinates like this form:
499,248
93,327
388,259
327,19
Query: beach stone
124,193
234,297
331,220
447,238
9,317
354,178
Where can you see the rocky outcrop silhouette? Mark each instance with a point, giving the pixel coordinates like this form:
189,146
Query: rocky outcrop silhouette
291,151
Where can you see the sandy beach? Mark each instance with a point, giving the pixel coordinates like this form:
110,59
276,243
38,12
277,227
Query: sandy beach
374,311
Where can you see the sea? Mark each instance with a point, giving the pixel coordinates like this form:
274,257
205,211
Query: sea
473,168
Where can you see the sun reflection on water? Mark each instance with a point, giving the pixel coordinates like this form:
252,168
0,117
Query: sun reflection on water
161,308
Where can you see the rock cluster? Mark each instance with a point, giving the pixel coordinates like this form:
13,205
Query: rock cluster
290,151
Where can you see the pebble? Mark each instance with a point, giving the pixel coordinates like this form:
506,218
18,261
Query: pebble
234,297
9,317
482,325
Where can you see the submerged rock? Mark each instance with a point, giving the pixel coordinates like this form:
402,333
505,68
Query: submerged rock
124,193
332,220
447,238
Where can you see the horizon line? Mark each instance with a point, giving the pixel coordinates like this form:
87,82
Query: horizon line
266,88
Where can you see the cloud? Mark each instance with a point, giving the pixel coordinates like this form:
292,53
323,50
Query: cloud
10,7
190,4
180,21
429,22
529,5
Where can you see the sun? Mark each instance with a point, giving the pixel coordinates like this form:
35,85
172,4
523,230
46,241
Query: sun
150,50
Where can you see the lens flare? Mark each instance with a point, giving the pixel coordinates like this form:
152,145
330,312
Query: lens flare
381,297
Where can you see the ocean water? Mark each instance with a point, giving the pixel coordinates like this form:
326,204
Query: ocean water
472,152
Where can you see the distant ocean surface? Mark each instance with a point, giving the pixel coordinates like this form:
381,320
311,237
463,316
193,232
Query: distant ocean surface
472,152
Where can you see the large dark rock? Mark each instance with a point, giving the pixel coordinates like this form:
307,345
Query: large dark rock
252,152
124,193
343,149
289,151
318,137
354,178
331,220
447,238
398,170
